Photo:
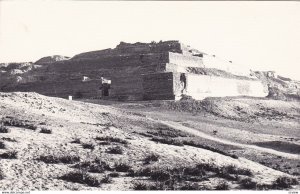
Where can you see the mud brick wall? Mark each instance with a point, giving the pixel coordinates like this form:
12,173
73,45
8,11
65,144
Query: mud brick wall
185,61
201,86
72,88
158,86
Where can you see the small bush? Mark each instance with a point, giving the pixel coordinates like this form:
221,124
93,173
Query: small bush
82,178
2,145
114,174
76,140
115,150
284,182
122,167
140,186
112,139
95,166
222,186
248,183
106,179
160,175
8,139
9,155
1,175
4,129
66,159
191,186
88,146
151,158
10,121
45,130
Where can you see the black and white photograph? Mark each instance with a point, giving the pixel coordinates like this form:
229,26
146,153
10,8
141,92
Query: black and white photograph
149,96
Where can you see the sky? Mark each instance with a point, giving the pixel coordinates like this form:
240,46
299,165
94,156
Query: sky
258,35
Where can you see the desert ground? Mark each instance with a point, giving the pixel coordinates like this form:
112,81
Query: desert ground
233,143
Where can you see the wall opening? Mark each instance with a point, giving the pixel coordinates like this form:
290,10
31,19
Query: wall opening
105,87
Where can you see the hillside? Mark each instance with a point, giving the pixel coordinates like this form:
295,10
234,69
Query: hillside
54,144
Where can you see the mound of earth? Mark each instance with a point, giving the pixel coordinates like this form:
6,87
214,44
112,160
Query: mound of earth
51,59
52,143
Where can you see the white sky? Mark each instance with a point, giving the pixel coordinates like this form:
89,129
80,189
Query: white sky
261,35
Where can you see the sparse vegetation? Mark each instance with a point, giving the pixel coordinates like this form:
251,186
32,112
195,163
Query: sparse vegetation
66,159
115,150
76,140
8,139
248,183
82,178
106,179
45,130
1,175
122,167
151,158
95,166
284,182
88,146
222,186
4,129
114,174
2,145
11,121
112,139
9,155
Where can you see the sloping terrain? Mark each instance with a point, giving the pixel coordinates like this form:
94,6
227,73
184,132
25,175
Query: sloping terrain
55,144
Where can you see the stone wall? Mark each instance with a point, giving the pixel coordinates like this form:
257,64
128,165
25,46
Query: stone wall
201,86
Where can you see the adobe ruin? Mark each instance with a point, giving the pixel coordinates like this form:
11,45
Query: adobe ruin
142,71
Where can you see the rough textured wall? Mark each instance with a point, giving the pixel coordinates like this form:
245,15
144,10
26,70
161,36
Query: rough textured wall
158,86
185,61
201,86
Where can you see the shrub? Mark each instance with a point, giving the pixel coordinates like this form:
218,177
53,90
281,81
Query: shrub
66,159
112,139
1,175
82,178
115,150
8,139
95,166
4,129
122,167
248,183
114,174
2,145
45,130
191,186
9,155
284,182
88,146
151,158
222,186
76,140
10,121
106,179
160,175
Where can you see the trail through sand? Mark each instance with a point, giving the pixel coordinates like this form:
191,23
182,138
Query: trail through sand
198,133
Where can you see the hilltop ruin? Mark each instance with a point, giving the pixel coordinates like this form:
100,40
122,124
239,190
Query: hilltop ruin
140,71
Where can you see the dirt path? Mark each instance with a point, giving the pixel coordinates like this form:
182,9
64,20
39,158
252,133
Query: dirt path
196,132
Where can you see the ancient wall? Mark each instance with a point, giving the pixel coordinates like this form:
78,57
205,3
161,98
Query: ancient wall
184,60
201,86
158,86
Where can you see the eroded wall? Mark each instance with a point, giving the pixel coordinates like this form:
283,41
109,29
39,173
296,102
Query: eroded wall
202,86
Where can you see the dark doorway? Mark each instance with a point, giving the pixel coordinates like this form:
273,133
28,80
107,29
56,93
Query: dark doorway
105,89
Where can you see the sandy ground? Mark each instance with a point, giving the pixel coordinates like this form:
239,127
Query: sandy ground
69,120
